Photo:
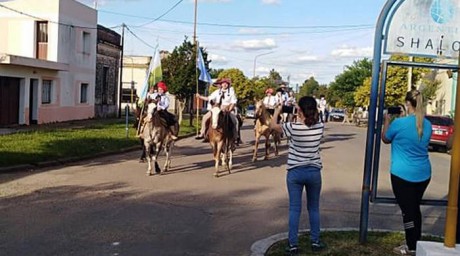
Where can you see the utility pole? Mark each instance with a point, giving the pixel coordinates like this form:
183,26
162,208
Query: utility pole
196,70
409,75
452,202
255,61
120,96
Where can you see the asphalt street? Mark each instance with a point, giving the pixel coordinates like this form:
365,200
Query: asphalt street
108,206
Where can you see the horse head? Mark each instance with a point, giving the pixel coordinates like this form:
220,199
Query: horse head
261,110
215,114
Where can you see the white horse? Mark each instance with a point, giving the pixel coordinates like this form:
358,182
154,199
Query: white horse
157,137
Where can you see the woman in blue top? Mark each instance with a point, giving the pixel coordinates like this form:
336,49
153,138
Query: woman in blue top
304,169
410,165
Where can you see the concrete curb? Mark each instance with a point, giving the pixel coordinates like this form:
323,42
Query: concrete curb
69,160
260,247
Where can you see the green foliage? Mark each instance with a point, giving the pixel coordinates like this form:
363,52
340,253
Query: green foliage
275,76
347,243
342,89
180,72
309,87
397,84
63,141
363,93
243,87
429,89
215,72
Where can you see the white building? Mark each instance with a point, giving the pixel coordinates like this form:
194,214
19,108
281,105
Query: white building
47,61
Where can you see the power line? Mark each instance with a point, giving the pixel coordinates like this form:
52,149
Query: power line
140,39
240,25
161,16
38,18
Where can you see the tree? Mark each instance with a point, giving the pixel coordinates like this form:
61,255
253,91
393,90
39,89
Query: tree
215,72
345,84
396,84
242,85
179,73
275,76
309,87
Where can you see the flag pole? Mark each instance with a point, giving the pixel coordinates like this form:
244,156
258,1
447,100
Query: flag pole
196,70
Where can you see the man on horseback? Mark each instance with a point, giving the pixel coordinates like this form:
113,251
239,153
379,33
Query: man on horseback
226,97
162,104
271,101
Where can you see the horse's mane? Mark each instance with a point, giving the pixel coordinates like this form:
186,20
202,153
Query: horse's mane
157,120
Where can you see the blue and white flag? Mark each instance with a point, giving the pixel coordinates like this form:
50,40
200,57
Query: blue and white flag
204,75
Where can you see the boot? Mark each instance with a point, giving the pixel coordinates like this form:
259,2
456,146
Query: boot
173,132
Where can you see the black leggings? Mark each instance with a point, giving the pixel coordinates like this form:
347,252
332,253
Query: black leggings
409,195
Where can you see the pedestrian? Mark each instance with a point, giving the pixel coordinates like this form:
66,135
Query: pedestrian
410,165
346,119
303,170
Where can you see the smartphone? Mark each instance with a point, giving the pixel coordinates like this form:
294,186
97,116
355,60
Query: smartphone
394,110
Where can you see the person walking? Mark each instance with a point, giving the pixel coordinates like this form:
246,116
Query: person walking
346,119
304,170
410,165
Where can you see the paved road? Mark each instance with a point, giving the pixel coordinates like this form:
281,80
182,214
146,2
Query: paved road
107,206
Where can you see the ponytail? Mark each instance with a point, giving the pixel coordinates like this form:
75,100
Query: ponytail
415,98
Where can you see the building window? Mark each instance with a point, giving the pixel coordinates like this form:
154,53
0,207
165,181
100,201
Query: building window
86,43
47,91
84,93
42,40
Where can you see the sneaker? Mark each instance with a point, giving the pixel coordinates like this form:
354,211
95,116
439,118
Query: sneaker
292,250
174,137
403,250
317,246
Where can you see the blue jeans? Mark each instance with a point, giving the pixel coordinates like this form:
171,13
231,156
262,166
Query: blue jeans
296,179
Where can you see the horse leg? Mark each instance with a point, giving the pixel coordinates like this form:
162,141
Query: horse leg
148,153
277,141
217,152
155,159
256,146
168,149
230,161
267,146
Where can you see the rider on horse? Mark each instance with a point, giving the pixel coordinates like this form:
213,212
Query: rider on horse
271,101
226,97
162,104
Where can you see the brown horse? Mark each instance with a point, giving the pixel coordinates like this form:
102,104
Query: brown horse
221,138
262,128
157,137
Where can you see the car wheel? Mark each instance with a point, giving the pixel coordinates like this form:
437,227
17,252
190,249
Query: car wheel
450,141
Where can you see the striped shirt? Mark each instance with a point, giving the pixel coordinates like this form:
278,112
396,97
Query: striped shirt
304,144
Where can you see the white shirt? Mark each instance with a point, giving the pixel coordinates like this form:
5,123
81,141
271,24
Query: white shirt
322,104
229,97
271,101
163,103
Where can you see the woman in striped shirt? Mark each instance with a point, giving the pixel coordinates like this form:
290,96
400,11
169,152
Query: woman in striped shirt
304,169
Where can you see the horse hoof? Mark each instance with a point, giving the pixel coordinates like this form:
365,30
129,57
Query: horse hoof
149,174
254,159
216,175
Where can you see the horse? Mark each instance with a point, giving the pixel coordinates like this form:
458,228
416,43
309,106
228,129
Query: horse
222,138
157,137
262,128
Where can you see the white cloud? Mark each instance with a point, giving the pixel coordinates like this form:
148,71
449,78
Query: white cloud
352,52
218,59
271,1
264,44
304,59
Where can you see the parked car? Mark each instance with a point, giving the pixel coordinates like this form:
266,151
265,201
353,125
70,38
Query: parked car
250,111
337,115
442,131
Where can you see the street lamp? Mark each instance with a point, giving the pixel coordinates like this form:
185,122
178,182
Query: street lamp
255,60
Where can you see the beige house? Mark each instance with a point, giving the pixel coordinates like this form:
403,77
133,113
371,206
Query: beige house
134,73
444,104
47,61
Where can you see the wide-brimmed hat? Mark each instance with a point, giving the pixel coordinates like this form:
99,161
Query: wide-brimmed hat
269,90
283,85
223,80
162,85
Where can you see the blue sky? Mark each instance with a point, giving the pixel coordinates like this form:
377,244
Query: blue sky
299,38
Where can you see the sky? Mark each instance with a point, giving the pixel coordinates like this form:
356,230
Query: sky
297,38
